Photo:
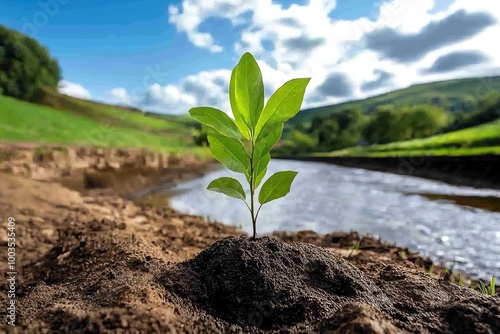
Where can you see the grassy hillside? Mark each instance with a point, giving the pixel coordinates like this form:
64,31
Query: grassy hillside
74,121
118,116
456,93
482,139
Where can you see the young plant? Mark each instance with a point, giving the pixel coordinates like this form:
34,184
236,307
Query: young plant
354,247
484,289
244,144
460,280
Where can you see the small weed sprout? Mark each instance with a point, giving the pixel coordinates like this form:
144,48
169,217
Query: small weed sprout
484,289
354,247
460,280
244,144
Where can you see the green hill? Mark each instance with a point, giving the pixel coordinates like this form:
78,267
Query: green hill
68,120
460,94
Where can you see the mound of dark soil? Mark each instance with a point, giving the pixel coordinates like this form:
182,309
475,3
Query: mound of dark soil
272,285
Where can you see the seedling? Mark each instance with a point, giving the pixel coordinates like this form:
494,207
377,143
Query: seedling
460,280
484,290
244,144
354,247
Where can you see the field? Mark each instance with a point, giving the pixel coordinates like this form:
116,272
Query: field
77,122
482,139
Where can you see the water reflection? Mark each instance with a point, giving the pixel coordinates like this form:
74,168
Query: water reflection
412,212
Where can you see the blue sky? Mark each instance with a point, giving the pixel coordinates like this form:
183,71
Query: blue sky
105,45
102,44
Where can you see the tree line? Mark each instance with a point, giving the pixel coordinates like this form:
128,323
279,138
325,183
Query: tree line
26,67
386,124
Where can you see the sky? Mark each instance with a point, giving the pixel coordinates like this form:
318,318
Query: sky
169,56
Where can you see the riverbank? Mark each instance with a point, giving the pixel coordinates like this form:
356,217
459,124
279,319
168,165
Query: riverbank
89,260
479,171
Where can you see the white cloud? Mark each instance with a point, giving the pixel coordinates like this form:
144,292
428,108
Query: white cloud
73,89
120,96
194,12
307,42
207,88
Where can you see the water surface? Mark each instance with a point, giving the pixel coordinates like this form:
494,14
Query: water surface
400,209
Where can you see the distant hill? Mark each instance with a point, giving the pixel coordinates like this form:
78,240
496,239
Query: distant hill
460,94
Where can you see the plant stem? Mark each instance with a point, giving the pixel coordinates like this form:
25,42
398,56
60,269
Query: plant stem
254,224
252,192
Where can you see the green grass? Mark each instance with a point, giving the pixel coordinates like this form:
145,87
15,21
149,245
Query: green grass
133,119
27,122
453,91
482,139
169,125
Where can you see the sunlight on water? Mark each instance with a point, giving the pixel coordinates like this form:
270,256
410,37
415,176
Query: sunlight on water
326,198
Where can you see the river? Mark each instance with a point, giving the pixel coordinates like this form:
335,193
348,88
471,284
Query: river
326,198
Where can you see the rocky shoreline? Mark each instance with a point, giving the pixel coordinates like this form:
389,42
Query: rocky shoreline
91,261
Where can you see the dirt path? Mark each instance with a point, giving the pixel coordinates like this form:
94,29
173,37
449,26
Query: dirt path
89,261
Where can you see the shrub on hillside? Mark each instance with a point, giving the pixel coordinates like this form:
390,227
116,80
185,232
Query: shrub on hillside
25,65
388,125
489,110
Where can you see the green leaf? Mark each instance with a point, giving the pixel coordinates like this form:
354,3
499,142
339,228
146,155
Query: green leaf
238,112
216,119
261,168
259,178
209,130
230,152
249,89
283,104
277,186
228,186
269,136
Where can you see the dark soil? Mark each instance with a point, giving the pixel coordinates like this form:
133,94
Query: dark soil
273,285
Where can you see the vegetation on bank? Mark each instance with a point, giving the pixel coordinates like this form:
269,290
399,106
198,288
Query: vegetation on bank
481,139
418,130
